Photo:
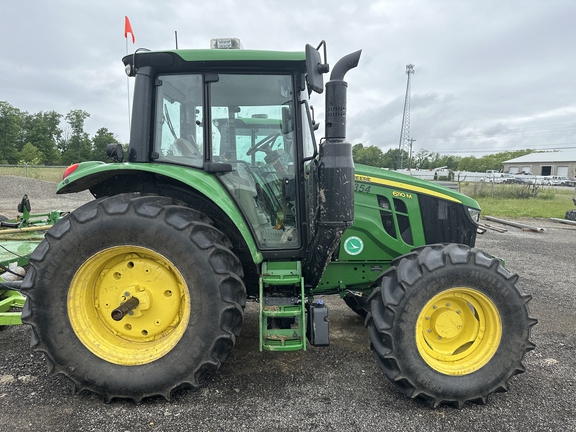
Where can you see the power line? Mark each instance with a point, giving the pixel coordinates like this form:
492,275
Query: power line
508,148
475,149
502,133
541,146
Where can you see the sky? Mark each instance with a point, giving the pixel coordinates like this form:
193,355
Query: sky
489,76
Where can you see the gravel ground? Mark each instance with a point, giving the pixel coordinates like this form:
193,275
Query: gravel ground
42,196
336,388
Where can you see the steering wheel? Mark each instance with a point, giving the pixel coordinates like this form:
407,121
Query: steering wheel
264,141
187,148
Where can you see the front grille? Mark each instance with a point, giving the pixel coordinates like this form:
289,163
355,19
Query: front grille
446,221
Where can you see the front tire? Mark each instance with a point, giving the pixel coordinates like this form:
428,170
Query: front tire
570,215
179,267
449,324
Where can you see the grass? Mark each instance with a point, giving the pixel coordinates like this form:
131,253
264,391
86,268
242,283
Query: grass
517,201
46,173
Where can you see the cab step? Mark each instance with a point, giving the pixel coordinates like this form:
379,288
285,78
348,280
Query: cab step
282,319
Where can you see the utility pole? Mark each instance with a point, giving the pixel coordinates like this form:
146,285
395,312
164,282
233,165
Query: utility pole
405,144
410,155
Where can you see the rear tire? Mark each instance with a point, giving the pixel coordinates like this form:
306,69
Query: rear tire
172,259
449,324
570,215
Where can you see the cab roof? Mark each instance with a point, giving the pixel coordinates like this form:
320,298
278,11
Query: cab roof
240,54
181,60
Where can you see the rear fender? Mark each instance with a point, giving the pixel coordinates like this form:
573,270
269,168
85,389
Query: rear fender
109,179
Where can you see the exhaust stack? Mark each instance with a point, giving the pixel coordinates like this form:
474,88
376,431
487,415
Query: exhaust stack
335,174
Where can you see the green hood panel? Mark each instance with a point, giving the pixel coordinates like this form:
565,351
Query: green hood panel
404,182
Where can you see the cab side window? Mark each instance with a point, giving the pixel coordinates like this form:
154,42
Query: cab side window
178,136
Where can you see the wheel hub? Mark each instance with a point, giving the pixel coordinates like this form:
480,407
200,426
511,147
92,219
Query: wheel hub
447,324
149,327
145,280
458,331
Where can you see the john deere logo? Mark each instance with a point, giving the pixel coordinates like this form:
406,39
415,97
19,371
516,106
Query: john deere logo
353,245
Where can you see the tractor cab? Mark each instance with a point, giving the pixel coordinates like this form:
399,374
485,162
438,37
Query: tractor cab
243,117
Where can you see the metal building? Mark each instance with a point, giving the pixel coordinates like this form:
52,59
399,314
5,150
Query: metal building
560,163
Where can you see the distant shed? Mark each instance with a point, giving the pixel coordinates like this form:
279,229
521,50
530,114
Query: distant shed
560,163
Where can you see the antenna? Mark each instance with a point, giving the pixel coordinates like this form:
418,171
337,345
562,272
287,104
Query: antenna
405,143
176,38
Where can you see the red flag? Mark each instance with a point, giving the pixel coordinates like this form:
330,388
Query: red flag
128,29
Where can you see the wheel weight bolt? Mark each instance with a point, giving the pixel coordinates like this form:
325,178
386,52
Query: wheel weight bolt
124,308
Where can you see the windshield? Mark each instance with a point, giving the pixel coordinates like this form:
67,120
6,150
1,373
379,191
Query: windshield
250,127
253,131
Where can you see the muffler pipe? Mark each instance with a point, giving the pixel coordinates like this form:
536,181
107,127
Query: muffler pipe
335,170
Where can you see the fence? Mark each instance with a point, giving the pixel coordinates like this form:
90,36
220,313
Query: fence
447,175
40,172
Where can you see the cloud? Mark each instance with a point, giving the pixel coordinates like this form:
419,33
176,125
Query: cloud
488,75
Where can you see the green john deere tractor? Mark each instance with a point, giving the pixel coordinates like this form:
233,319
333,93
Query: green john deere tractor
224,195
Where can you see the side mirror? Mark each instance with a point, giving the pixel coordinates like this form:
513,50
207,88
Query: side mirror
315,68
115,152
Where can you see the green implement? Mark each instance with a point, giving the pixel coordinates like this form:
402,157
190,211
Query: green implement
19,237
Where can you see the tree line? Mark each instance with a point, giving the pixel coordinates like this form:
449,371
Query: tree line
424,159
37,139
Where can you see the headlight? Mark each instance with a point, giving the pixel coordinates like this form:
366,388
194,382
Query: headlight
474,214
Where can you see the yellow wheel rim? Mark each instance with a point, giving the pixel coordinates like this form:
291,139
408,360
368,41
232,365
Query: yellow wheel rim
111,277
458,331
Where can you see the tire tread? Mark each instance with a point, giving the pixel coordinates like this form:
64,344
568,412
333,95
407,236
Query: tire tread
193,225
388,299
